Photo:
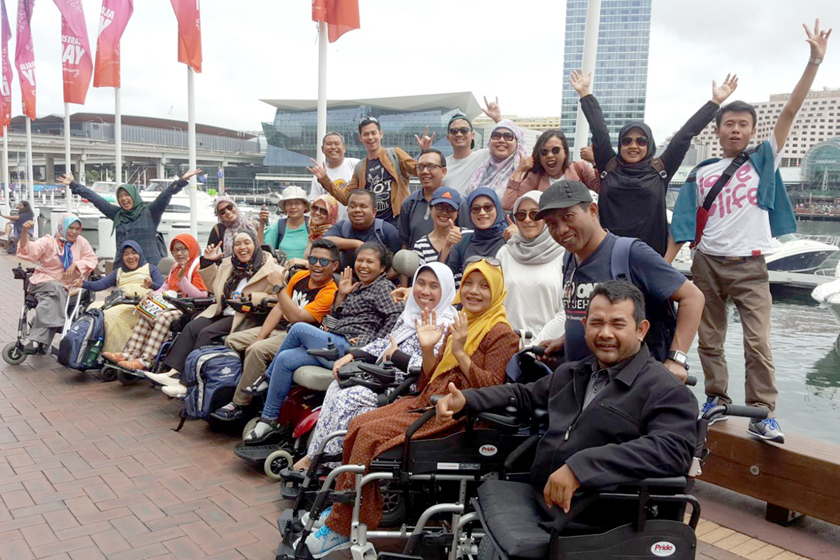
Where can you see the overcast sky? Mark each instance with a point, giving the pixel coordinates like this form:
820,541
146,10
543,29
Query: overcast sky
267,49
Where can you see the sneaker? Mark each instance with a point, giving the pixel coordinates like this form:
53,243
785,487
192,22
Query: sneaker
710,403
325,541
175,391
766,429
164,379
33,347
304,519
229,413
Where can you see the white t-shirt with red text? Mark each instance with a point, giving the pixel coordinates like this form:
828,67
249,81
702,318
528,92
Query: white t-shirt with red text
737,227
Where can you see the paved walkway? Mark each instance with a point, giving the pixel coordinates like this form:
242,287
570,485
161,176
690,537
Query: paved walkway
92,470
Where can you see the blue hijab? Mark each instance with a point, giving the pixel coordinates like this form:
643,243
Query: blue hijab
134,245
486,242
65,247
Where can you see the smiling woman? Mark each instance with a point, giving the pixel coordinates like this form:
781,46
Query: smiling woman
507,148
488,219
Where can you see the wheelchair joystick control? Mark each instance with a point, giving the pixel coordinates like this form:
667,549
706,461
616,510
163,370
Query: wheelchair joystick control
511,407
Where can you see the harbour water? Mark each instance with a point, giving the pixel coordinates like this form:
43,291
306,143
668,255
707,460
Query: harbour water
807,365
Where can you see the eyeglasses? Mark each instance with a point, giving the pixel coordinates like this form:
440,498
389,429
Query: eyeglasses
322,211
508,136
492,261
641,141
487,209
555,150
444,208
463,130
322,261
179,250
522,215
226,209
429,166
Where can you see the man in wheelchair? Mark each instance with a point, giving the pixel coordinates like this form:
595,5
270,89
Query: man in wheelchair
615,417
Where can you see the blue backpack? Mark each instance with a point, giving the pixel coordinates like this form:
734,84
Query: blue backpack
211,376
81,345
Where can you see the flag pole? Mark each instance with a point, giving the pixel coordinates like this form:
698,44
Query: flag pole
118,136
29,180
321,127
191,148
590,49
68,196
8,188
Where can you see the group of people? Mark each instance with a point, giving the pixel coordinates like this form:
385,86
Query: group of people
508,244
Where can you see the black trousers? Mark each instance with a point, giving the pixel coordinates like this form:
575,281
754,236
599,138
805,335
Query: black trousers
199,332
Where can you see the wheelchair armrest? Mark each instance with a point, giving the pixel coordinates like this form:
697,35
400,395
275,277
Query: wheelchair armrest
329,353
397,392
419,423
500,419
384,373
189,306
669,482
525,447
535,350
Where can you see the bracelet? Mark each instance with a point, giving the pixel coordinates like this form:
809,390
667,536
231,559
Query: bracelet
813,60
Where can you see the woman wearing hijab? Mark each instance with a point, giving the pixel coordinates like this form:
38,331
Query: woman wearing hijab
133,218
61,260
231,222
633,182
432,291
134,277
549,163
148,335
507,148
533,265
477,347
249,274
323,216
486,239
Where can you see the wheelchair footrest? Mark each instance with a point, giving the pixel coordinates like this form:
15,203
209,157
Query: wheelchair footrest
286,552
289,492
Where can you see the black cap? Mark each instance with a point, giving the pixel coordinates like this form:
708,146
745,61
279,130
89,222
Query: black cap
563,194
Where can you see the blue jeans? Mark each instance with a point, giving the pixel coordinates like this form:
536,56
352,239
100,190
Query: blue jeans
292,355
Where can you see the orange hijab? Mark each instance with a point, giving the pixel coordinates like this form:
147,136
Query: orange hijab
195,277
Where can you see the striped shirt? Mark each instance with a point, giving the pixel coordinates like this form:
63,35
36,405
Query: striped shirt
426,251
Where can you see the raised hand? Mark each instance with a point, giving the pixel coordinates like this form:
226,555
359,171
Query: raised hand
451,404
319,170
454,236
511,230
65,179
190,174
426,141
525,164
346,284
28,225
587,154
492,109
817,39
458,329
428,331
580,82
213,252
724,90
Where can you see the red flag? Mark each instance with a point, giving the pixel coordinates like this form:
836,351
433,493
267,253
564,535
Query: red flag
76,62
112,21
6,84
25,56
341,16
188,13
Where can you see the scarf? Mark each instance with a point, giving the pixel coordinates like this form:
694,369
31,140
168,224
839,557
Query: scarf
406,324
65,248
485,242
478,324
539,250
494,173
195,277
241,269
128,216
137,249
317,232
636,170
234,227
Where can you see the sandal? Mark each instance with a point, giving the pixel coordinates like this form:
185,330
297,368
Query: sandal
258,437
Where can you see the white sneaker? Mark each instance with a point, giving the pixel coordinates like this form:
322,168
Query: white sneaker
177,391
325,541
304,519
164,379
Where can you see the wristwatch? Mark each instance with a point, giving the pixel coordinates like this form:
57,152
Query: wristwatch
679,357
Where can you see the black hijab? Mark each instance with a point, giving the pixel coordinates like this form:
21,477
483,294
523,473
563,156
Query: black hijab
486,242
642,167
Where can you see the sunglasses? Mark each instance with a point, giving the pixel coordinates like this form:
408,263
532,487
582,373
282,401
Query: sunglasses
322,211
508,136
463,130
492,261
322,261
226,209
429,166
487,209
555,150
522,215
641,141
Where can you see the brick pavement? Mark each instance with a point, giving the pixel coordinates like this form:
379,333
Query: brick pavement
92,470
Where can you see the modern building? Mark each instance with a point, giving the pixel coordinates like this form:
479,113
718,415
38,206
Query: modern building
620,77
292,136
821,165
540,124
817,121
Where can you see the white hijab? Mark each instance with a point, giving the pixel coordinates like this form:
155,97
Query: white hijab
406,326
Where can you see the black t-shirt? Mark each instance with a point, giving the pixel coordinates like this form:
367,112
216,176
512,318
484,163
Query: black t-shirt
380,182
657,279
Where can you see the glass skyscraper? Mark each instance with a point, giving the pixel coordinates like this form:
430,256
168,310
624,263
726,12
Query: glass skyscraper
620,78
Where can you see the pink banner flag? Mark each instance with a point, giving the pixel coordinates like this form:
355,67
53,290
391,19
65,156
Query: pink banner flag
6,84
188,13
112,21
25,57
76,62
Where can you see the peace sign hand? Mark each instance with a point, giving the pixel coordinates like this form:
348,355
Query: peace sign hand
426,141
213,252
492,109
817,39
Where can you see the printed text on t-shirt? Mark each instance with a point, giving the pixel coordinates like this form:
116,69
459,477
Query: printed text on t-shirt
737,195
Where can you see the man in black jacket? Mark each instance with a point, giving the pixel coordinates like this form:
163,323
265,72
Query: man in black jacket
615,417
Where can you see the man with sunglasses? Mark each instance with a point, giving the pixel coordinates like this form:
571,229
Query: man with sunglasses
306,298
384,172
339,169
415,218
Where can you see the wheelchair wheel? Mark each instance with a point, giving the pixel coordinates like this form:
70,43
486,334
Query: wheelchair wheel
127,378
13,354
276,462
393,505
486,550
249,427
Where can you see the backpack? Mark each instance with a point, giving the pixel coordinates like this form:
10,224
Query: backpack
655,163
211,376
281,230
81,345
345,228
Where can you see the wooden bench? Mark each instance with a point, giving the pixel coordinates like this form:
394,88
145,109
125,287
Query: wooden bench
801,477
